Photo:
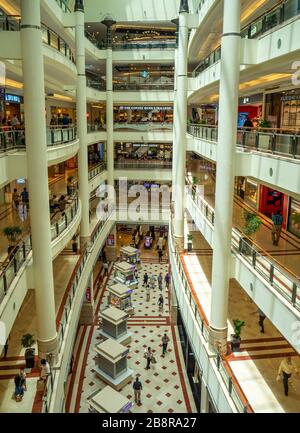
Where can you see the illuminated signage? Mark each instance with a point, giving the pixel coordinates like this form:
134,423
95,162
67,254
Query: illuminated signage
13,98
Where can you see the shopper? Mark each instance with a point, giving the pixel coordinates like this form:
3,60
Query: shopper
160,255
165,340
14,121
148,355
25,199
286,368
160,282
277,227
248,123
16,199
167,280
45,370
19,391
137,386
105,267
23,378
160,303
261,318
153,281
146,278
148,292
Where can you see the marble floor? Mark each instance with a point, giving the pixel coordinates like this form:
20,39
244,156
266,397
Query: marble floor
255,367
165,385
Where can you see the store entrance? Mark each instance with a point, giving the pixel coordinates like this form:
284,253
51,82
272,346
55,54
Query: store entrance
271,201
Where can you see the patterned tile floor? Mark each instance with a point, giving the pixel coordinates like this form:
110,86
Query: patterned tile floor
165,385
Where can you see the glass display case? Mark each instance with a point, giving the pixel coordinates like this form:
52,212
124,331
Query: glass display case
119,296
109,401
124,273
131,255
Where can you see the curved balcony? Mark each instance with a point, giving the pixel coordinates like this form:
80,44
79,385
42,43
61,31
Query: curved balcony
278,15
208,357
22,252
283,281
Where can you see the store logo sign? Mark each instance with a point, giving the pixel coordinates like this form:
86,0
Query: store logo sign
296,75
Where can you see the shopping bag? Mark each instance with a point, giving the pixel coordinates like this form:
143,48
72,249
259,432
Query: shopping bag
153,360
40,385
278,378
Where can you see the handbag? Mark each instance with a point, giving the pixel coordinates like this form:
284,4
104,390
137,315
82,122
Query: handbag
40,385
153,360
278,378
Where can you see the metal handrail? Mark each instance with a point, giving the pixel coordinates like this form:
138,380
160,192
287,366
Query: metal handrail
278,141
284,281
235,392
247,31
141,165
19,255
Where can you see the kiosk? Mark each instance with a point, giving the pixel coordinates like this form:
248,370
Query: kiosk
131,255
108,401
124,273
119,296
111,364
114,325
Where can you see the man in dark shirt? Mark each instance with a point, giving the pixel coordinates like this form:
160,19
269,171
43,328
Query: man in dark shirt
248,123
277,227
137,387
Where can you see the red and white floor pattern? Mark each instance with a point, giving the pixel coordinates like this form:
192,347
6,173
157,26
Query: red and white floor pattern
165,385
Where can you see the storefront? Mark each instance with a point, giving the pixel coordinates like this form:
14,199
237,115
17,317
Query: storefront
143,114
97,153
142,151
11,105
248,190
250,107
282,109
272,201
294,217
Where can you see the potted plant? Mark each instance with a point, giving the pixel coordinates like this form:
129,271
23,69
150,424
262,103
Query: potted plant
27,342
74,244
252,224
264,123
13,234
190,243
236,337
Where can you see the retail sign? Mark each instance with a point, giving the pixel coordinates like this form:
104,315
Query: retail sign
88,295
291,97
111,240
13,98
145,108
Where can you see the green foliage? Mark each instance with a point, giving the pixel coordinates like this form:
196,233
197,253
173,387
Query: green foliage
264,123
12,233
238,324
252,223
296,218
189,238
27,341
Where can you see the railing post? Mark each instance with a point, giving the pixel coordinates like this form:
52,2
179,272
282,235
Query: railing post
273,143
244,138
4,283
15,264
256,140
272,274
57,229
230,385
218,361
294,294
254,258
294,146
24,250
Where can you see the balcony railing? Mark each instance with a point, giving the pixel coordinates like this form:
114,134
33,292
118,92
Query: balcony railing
282,280
17,257
63,5
50,37
154,45
234,391
94,84
143,165
14,139
275,141
286,10
97,170
145,126
131,87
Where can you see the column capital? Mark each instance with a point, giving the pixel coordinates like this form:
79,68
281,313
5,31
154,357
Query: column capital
184,7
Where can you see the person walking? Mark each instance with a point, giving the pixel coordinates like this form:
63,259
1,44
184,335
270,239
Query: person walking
45,369
277,227
137,387
261,318
25,199
16,199
160,303
146,278
153,281
160,254
148,293
23,378
160,282
148,355
105,267
165,340
286,368
167,280
19,391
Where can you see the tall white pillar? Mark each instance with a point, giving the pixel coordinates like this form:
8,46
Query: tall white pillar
81,107
175,126
37,167
180,121
228,108
110,117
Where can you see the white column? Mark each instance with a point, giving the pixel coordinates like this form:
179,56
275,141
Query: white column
180,120
37,167
110,117
228,108
81,107
175,126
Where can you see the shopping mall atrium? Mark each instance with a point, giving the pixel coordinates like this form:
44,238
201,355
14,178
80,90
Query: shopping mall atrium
149,206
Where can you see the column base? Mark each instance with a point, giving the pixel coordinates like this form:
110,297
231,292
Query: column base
84,240
218,339
179,242
48,350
